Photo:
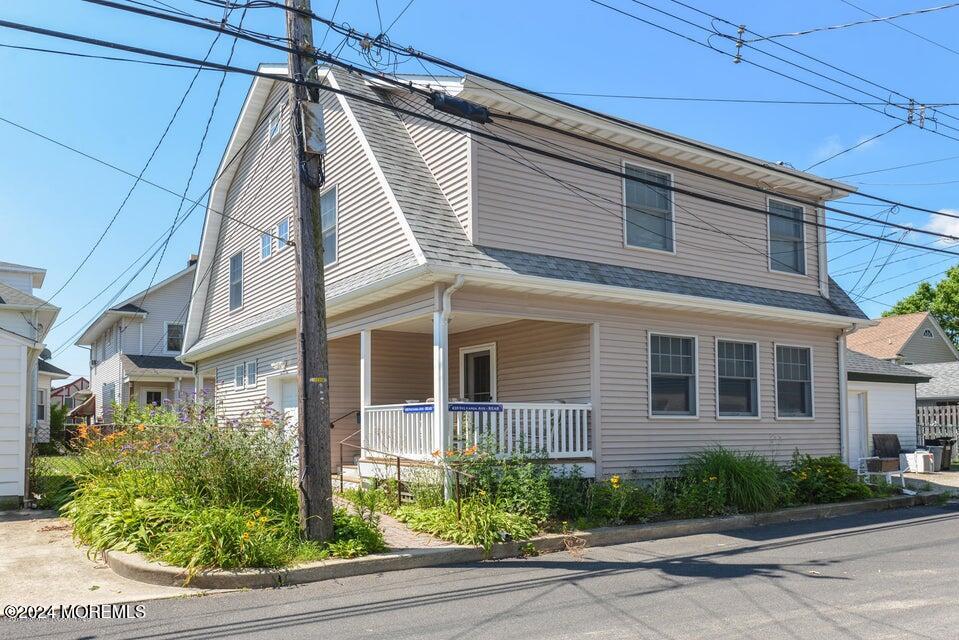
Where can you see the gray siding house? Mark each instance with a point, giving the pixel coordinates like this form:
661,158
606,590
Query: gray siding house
134,345
475,294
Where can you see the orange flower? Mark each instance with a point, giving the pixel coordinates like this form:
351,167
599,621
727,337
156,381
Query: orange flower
436,453
267,423
141,427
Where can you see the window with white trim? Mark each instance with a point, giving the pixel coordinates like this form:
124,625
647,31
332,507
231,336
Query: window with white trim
478,373
236,281
251,373
736,371
329,215
174,337
793,382
672,371
649,210
41,404
274,126
153,398
239,376
787,239
283,233
266,246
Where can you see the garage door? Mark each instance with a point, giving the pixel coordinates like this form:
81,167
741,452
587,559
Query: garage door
13,356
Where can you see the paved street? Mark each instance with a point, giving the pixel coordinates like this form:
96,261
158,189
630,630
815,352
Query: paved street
881,575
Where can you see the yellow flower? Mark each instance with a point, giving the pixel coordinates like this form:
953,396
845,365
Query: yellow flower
246,536
262,519
256,514
614,481
250,524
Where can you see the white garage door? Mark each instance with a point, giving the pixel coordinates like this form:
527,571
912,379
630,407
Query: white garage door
13,362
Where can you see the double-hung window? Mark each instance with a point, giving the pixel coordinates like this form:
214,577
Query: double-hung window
794,382
283,233
649,210
251,373
737,377
266,246
174,337
239,376
236,281
672,371
328,212
787,242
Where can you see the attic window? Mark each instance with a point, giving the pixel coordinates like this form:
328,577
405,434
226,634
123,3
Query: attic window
927,333
273,127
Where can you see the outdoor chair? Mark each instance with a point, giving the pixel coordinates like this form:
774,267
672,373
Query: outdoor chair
886,450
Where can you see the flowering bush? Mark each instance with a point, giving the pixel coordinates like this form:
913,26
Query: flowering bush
195,493
821,480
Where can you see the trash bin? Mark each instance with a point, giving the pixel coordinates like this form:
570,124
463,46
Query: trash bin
936,451
947,444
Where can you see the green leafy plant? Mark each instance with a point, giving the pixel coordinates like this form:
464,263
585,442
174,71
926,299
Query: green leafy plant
481,522
616,501
823,480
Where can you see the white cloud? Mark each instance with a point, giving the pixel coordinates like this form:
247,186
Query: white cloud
944,224
833,144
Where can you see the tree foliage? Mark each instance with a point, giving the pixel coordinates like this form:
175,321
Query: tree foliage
941,300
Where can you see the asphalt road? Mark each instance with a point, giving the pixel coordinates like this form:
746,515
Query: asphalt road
884,575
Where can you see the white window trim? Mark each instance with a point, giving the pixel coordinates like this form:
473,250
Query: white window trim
336,224
229,282
672,208
166,327
264,258
649,376
242,366
246,374
274,118
812,382
759,394
769,240
489,346
145,390
280,246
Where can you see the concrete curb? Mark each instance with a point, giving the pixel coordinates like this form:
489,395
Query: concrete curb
136,567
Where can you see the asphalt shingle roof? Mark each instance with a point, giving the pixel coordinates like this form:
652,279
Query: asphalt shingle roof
886,339
46,367
859,366
168,363
944,383
129,307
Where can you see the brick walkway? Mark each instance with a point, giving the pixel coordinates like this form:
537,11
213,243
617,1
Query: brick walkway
397,535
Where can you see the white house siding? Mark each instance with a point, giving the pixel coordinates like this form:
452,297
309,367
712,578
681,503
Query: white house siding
535,361
518,208
446,153
261,194
631,441
167,304
921,350
106,372
890,408
13,418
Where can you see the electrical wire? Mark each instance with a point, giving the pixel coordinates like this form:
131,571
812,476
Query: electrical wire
902,28
855,146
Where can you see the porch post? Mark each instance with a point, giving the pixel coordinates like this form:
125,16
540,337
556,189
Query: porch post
366,379
441,435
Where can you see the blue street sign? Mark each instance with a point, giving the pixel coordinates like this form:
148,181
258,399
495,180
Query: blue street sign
418,408
488,407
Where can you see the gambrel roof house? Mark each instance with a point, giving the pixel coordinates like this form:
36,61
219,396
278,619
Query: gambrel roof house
25,320
913,338
134,345
621,330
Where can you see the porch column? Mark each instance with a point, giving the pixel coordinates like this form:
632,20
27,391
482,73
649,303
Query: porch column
366,380
441,379
176,389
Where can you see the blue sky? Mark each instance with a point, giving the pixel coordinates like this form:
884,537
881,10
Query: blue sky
56,203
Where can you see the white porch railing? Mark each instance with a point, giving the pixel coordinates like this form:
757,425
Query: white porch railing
560,431
393,429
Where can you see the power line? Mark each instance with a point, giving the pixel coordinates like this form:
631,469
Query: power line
896,168
462,128
855,146
722,100
902,28
857,23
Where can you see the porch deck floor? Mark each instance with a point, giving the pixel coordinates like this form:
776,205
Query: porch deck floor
397,535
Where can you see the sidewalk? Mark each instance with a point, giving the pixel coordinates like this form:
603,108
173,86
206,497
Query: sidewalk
40,565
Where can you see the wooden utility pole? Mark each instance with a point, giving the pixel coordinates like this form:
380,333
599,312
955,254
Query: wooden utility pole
313,405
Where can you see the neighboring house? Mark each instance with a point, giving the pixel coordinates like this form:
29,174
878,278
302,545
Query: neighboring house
454,272
67,394
134,345
881,399
915,338
943,389
47,373
24,322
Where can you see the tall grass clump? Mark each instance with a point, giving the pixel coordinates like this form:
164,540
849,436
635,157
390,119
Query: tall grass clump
742,482
187,490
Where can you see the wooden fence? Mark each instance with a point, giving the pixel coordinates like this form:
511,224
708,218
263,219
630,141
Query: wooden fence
938,422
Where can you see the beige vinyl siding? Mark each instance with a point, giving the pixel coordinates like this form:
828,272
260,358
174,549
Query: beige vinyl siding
402,367
921,350
535,361
415,303
368,231
518,208
631,441
446,153
344,355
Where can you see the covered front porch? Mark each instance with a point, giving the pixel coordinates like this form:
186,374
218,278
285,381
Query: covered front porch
433,383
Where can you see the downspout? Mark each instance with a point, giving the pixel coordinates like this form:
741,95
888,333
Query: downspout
441,372
843,390
448,295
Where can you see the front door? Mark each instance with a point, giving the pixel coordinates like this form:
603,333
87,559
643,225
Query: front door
856,428
288,401
479,371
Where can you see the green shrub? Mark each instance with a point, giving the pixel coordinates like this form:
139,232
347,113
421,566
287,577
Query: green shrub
749,481
621,502
570,495
823,480
692,497
196,494
482,522
517,484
